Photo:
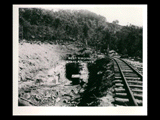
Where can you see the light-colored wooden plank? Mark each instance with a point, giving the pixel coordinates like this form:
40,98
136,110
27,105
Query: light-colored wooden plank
133,78
117,77
139,86
135,90
119,90
135,82
119,85
117,81
138,95
121,100
121,94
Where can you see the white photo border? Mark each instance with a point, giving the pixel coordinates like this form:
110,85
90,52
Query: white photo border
27,110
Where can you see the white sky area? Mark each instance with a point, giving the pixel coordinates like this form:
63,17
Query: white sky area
125,14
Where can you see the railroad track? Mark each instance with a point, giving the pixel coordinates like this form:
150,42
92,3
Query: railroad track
128,84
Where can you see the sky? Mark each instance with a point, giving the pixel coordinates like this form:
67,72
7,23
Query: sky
125,14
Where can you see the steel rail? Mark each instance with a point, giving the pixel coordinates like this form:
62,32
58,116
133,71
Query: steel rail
140,75
131,98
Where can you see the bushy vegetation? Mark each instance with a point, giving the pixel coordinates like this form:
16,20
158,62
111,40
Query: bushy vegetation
100,79
79,25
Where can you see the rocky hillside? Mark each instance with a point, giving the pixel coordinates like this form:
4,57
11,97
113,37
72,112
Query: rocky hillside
46,76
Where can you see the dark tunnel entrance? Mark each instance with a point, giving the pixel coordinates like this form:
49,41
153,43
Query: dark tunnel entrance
73,69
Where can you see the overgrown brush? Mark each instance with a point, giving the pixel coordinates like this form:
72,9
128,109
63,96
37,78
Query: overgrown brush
100,79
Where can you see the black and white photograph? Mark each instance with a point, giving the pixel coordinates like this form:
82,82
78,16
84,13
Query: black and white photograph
77,58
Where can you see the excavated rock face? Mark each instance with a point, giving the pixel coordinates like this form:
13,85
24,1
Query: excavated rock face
69,84
55,87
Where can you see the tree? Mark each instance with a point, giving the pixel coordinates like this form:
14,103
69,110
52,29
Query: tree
85,32
115,22
82,26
